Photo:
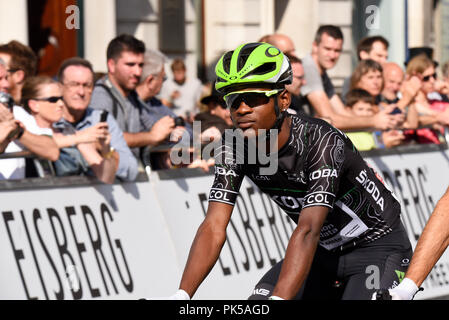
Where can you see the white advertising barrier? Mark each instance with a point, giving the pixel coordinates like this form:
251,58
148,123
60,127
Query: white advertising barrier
85,242
418,181
129,241
258,232
257,235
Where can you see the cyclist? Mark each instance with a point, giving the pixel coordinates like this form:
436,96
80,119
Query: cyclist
347,220
432,243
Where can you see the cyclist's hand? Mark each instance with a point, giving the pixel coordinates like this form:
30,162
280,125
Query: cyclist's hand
179,295
406,290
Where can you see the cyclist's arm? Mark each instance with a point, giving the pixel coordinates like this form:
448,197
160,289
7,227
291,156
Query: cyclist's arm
433,242
206,246
300,252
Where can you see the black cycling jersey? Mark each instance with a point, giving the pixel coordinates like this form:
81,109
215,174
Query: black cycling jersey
318,166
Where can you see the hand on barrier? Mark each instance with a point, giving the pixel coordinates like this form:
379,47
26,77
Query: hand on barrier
406,290
179,295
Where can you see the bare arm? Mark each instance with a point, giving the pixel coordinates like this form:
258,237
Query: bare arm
43,146
300,252
433,242
337,105
7,128
412,121
157,134
436,118
382,120
101,158
206,246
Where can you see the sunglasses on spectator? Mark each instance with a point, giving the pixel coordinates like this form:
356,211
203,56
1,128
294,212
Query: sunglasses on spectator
427,78
252,98
12,70
49,99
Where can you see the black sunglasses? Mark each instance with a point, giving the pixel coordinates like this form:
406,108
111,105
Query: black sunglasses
251,98
427,78
49,99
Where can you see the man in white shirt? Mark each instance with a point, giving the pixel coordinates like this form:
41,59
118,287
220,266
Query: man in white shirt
181,93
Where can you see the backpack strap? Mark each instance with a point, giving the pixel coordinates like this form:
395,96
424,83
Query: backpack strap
114,99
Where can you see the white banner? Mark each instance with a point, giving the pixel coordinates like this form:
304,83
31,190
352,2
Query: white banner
418,181
129,241
83,243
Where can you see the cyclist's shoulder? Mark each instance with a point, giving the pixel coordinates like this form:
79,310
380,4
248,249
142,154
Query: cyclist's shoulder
312,129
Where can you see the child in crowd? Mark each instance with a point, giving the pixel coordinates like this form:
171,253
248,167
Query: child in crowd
361,103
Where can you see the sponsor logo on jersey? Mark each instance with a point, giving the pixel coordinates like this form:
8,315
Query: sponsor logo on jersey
323,173
400,274
371,187
222,195
223,172
261,292
318,198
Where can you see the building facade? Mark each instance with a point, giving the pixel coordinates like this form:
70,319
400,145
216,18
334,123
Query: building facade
201,30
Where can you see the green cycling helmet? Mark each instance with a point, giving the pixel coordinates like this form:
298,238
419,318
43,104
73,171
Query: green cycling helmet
252,65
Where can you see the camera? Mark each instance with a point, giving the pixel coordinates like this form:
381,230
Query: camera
7,100
179,122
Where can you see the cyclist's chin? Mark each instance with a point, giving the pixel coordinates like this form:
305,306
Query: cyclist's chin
250,133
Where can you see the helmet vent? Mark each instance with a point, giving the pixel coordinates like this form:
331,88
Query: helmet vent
261,70
244,54
227,61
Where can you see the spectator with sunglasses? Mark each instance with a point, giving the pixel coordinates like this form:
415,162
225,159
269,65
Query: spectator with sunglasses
430,112
317,177
30,133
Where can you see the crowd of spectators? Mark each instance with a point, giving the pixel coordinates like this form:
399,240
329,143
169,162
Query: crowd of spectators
110,127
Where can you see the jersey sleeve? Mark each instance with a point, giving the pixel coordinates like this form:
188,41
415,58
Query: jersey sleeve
228,176
324,168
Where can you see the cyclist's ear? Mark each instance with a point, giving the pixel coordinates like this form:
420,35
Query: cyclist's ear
284,100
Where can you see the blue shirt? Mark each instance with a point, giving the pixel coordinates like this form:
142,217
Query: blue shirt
153,110
128,167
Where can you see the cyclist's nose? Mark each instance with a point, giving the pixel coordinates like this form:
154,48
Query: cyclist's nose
243,108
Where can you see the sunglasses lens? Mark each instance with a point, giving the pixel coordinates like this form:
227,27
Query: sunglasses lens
251,99
54,99
427,78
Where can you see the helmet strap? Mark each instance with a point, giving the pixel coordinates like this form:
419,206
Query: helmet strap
280,116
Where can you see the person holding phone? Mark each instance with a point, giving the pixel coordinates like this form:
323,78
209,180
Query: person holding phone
91,141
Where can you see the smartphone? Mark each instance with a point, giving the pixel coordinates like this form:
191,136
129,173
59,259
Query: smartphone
396,111
104,116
